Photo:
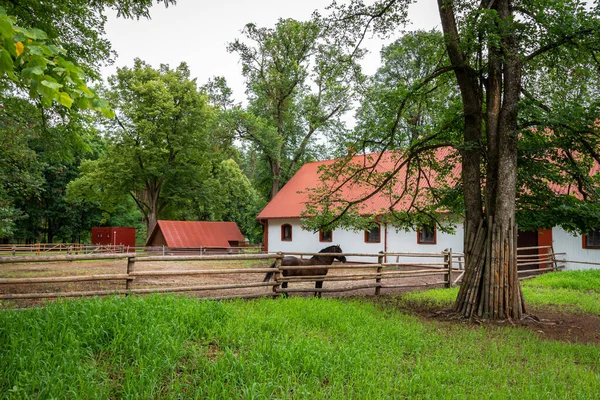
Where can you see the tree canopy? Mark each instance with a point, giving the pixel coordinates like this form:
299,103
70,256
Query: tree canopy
497,54
158,142
299,83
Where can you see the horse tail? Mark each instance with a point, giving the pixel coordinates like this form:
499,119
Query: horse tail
270,274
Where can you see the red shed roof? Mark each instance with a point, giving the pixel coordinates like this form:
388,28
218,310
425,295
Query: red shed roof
194,234
291,199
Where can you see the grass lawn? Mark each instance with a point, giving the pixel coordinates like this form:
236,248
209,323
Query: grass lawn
165,346
570,291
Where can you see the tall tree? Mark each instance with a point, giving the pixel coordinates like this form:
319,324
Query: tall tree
298,84
159,148
496,50
405,62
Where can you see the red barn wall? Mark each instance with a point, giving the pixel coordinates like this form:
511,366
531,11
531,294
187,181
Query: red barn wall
115,236
101,236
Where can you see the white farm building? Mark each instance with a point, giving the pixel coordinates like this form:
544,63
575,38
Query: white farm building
281,219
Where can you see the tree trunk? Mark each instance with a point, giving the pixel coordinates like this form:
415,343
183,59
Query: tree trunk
490,286
150,223
275,177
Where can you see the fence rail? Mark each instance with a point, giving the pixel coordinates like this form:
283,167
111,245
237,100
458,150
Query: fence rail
39,249
384,274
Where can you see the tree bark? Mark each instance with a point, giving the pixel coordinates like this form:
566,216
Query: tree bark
490,287
275,177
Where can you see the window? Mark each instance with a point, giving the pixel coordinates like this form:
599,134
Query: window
373,235
325,236
286,233
426,235
592,240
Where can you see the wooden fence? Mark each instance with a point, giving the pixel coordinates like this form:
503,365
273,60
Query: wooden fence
40,249
391,271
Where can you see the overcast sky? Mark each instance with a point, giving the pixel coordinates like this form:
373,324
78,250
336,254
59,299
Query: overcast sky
197,32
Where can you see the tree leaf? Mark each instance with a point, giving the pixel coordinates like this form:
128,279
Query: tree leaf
37,70
6,62
64,99
19,48
51,85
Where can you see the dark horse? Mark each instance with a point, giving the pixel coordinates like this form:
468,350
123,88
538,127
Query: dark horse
290,261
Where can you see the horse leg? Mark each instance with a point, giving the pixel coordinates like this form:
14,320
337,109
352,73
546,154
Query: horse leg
318,285
284,286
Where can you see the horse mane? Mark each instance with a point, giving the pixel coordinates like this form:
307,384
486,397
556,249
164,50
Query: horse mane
332,249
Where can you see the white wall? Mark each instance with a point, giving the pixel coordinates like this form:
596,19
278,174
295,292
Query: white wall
354,241
564,242
406,242
308,242
401,241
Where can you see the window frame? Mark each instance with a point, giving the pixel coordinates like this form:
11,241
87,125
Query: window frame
283,227
420,230
585,244
369,231
325,240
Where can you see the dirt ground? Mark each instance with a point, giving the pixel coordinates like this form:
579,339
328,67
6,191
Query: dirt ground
548,323
78,268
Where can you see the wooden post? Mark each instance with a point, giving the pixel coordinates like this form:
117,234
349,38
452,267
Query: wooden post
554,262
446,275
130,269
277,276
450,267
378,279
14,251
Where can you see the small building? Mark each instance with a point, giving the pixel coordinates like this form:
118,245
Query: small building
114,236
189,235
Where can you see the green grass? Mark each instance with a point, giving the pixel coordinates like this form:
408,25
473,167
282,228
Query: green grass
179,347
576,280
572,291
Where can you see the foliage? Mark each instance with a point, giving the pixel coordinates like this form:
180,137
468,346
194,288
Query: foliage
227,195
43,69
397,85
168,347
158,146
299,83
78,25
412,104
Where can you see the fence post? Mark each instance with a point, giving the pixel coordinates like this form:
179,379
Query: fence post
449,255
448,274
378,278
130,268
553,261
277,276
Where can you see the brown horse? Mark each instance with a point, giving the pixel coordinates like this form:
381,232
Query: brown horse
290,261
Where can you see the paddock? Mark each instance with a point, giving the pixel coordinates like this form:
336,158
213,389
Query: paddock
31,280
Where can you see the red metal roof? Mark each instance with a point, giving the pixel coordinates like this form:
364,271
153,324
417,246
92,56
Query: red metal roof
194,234
291,199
